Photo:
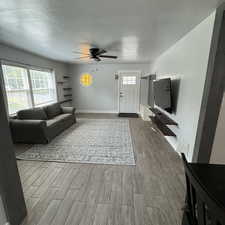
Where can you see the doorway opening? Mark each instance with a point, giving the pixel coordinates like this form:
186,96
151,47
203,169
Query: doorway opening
129,93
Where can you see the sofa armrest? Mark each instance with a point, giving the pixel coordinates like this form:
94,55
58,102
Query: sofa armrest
70,110
26,124
28,131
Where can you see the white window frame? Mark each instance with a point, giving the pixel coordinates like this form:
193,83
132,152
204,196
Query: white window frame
28,68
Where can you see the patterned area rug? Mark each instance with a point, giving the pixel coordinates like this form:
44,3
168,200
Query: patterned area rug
100,141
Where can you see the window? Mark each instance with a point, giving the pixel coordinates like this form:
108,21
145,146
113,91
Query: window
129,80
17,88
43,87
27,88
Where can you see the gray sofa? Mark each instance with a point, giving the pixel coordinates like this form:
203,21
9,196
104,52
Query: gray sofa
41,125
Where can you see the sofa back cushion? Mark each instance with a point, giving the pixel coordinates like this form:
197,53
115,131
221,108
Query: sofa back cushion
32,114
53,110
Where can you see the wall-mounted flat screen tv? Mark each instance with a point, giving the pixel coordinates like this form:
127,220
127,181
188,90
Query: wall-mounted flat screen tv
162,94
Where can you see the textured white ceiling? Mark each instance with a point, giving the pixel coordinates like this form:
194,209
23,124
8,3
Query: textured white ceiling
135,30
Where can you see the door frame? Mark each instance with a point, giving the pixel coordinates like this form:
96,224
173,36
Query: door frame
139,73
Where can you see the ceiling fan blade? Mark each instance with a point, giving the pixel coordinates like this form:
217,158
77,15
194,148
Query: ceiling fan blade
101,51
83,57
81,53
96,59
108,56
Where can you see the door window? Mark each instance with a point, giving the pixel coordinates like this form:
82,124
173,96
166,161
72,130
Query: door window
129,80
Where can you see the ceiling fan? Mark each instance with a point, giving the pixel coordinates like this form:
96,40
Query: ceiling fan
95,53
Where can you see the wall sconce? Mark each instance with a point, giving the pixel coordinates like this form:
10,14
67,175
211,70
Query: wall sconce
86,79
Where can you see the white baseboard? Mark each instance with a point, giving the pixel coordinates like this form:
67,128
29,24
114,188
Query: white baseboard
100,111
96,111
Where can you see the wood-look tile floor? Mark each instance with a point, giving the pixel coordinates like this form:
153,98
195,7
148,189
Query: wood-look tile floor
150,193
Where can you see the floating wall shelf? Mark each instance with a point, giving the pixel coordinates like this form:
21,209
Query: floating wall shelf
68,100
162,121
66,90
163,117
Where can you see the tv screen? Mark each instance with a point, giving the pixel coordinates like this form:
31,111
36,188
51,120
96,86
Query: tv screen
162,94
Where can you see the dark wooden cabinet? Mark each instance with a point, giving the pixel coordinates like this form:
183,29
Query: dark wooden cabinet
205,198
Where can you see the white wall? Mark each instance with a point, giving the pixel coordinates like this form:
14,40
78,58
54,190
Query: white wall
2,213
218,151
102,95
187,62
13,54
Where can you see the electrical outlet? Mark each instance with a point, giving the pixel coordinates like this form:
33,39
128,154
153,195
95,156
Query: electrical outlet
188,149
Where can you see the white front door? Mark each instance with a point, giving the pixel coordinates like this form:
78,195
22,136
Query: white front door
129,91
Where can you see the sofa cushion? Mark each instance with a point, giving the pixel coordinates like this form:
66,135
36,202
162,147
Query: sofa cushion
32,114
53,110
58,119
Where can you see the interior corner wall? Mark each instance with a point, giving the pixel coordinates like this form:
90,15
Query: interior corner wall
218,152
23,57
186,64
102,95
